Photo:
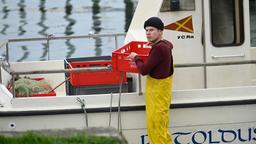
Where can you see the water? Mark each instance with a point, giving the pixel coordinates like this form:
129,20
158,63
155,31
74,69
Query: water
39,18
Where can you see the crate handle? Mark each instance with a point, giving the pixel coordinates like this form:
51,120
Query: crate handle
95,65
146,45
123,51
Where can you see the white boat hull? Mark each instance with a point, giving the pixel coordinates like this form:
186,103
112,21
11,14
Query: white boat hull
213,121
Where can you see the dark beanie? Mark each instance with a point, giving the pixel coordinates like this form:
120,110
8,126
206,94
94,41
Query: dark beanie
154,22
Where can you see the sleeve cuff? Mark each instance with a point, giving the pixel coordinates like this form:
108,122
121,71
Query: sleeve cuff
136,58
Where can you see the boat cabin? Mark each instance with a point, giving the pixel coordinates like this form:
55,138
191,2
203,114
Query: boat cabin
207,31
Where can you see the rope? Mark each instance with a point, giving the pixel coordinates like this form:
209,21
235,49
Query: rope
82,102
119,124
110,110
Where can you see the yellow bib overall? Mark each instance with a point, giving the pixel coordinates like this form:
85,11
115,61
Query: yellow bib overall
158,100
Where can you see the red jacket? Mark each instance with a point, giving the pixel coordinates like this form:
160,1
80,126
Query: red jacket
160,61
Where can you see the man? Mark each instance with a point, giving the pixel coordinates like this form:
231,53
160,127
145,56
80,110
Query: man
159,71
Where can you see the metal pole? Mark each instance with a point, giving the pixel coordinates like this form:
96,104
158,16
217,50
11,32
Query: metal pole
110,110
7,52
116,42
215,64
13,86
140,89
204,45
48,45
85,69
119,123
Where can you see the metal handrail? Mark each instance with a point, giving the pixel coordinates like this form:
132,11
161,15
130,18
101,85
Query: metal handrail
214,64
85,69
52,37
204,65
67,37
108,68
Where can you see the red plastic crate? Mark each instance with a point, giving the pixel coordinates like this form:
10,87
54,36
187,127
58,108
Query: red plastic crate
94,78
119,56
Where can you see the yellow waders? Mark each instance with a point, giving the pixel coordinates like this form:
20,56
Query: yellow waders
158,100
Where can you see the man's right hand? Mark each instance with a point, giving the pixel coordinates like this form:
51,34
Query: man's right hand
132,55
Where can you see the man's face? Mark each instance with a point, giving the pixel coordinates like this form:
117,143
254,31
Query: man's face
153,34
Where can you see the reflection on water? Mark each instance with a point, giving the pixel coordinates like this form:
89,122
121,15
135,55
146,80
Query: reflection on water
96,26
68,30
43,28
5,16
71,48
128,13
22,14
40,18
5,10
71,22
21,30
5,27
25,54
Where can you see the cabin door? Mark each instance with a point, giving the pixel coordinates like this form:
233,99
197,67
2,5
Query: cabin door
226,25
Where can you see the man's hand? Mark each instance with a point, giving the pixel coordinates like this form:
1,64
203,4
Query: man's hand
132,56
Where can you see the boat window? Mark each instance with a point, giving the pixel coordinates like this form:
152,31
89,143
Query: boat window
177,5
227,22
253,22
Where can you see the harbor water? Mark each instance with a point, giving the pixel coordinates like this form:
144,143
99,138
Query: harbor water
41,18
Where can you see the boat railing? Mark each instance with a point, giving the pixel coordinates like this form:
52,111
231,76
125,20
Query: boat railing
90,69
210,64
215,64
51,37
116,35
5,43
